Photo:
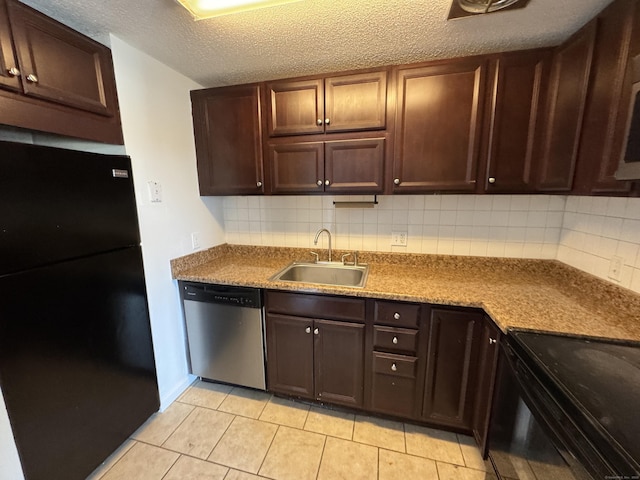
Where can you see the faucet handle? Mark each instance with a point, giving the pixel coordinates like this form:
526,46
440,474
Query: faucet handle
344,256
316,255
355,258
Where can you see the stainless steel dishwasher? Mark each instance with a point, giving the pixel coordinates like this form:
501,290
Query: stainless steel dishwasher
225,333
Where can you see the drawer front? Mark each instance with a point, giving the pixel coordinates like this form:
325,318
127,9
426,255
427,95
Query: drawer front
394,365
391,338
316,306
397,314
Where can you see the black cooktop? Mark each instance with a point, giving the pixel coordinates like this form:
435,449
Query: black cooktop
600,377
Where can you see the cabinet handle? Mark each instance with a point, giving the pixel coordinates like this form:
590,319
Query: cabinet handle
258,184
319,122
492,180
396,316
396,181
307,330
316,331
395,340
319,183
327,121
394,367
14,72
32,78
492,341
327,183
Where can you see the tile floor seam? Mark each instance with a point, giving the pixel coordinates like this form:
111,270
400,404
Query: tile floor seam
172,465
324,445
220,438
268,449
378,463
193,409
103,474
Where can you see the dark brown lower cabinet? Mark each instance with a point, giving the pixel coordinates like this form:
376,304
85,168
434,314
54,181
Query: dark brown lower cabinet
394,384
452,357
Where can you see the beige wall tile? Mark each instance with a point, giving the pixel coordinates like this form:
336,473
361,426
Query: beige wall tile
471,453
434,444
111,461
245,402
244,444
394,465
188,468
199,433
157,429
379,432
330,422
142,462
447,471
205,394
345,460
294,455
285,412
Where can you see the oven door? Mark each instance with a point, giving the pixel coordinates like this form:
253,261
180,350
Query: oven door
530,435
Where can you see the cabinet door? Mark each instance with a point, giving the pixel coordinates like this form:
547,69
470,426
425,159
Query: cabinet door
355,166
451,367
393,384
356,102
438,126
568,85
296,167
339,362
487,364
61,65
605,112
228,139
296,107
8,61
290,355
519,84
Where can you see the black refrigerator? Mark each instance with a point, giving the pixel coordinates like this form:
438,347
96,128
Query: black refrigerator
77,367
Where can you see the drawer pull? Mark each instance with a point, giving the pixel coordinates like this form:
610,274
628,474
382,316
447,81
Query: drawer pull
396,316
394,367
395,340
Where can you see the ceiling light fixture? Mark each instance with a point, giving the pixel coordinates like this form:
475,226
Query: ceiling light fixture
202,9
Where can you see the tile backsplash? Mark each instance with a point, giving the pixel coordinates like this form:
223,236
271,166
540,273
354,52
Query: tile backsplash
585,232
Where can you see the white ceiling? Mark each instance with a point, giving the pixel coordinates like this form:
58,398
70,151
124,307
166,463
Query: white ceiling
315,36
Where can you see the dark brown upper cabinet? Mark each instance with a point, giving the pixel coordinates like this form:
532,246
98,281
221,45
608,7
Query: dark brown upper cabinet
568,85
9,69
344,166
228,136
603,130
517,89
335,104
438,126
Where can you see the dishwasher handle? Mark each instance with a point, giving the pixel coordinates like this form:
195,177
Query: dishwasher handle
222,294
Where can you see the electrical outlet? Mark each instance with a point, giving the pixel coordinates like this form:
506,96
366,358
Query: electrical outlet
155,191
615,268
195,240
398,239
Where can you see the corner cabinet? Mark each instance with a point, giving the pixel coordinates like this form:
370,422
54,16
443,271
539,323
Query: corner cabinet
54,79
439,126
228,135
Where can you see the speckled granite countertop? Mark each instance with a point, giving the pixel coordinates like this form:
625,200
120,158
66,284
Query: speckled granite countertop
516,293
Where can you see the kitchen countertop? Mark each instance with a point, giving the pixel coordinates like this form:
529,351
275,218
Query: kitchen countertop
516,293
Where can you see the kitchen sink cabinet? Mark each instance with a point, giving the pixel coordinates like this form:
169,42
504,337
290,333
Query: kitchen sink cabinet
564,112
325,105
316,358
342,166
438,126
452,356
228,137
515,95
486,374
54,79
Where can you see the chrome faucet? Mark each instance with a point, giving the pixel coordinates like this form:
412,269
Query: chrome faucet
315,241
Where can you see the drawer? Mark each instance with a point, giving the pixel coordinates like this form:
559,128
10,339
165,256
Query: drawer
392,338
316,306
394,365
396,313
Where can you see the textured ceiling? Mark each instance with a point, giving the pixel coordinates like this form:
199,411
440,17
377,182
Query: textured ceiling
315,36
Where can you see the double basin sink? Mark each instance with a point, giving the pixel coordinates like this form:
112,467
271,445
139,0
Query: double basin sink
324,273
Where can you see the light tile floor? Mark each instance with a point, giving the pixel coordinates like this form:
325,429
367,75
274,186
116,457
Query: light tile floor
218,432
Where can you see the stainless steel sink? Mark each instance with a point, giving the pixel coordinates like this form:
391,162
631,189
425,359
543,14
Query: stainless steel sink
324,273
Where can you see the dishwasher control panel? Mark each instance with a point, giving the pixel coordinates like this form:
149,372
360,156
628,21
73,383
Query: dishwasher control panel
222,294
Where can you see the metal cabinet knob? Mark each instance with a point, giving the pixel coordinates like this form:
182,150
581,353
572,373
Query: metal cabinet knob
319,122
492,341
307,330
319,183
327,121
394,367
14,72
32,78
258,184
396,316
395,340
396,181
492,180
327,183
316,331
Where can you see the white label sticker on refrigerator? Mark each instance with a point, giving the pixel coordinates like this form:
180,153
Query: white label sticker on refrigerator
118,173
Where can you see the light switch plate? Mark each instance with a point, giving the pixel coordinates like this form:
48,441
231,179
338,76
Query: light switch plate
615,268
155,191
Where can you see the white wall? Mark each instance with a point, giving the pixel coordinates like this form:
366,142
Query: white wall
156,121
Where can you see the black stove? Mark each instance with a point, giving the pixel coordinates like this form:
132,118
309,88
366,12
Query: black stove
595,384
